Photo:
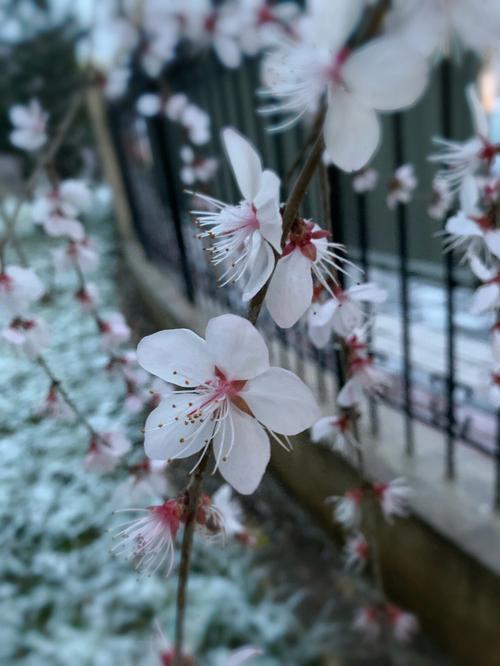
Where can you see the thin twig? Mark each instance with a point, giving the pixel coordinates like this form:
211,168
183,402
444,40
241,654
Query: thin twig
68,399
193,494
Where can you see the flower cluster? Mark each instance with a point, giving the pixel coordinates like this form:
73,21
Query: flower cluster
150,539
469,169
155,36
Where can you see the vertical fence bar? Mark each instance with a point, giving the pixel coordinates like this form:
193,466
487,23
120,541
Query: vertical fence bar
447,129
169,192
336,228
404,292
363,247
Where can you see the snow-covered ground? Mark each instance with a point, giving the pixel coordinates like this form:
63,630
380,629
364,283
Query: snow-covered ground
63,598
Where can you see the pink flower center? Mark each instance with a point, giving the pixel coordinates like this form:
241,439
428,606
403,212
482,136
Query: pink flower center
334,70
301,238
355,496
223,388
169,514
489,150
341,422
6,282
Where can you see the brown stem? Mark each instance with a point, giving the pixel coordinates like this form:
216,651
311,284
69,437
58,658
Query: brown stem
292,206
193,494
68,399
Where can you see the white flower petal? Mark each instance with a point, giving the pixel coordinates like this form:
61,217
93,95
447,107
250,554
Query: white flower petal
492,240
369,292
291,289
246,446
245,162
352,131
351,393
177,356
237,347
469,194
320,335
163,434
485,298
324,430
281,401
334,21
461,225
261,266
385,75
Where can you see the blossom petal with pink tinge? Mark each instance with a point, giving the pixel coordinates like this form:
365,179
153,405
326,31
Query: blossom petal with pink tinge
237,347
281,401
243,465
385,75
245,162
291,289
177,356
352,131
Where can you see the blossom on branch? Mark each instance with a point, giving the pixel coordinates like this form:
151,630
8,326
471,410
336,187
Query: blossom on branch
382,75
343,313
19,288
307,253
105,451
246,235
401,187
362,375
29,335
30,126
230,397
335,431
393,498
57,210
77,253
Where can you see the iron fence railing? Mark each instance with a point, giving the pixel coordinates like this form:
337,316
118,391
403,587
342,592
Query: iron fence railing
398,246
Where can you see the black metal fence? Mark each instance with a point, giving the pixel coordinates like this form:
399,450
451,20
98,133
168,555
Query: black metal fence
431,382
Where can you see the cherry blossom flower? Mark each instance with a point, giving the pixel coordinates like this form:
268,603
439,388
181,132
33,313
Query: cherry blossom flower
307,252
146,481
196,168
116,82
105,451
336,431
348,508
461,159
356,552
382,75
393,498
486,297
401,186
367,622
19,288
264,24
362,376
197,124
243,655
30,126
442,199
229,394
494,387
175,106
54,406
29,335
343,313
114,329
365,180
150,539
403,624
148,105
230,511
245,235
219,28
58,209
471,228
433,25
88,296
81,254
